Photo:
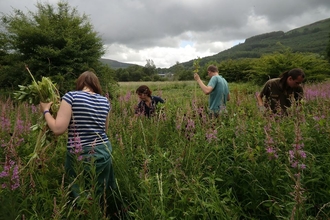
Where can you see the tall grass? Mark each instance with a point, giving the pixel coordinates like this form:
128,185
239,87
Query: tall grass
180,164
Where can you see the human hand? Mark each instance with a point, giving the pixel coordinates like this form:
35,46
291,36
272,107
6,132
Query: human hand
45,106
196,76
262,108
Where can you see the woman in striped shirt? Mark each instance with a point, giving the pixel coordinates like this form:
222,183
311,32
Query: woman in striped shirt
84,113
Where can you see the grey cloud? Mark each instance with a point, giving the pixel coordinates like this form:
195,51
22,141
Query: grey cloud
142,23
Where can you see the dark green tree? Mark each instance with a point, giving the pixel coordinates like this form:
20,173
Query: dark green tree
178,70
122,75
149,69
56,42
186,75
135,73
272,65
236,70
150,65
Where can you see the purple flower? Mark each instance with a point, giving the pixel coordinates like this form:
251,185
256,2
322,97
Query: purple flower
270,144
302,166
77,148
297,155
11,171
34,109
4,174
15,178
212,135
294,164
5,123
190,124
291,153
302,154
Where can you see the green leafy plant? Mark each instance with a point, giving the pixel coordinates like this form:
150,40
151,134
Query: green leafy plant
40,91
196,65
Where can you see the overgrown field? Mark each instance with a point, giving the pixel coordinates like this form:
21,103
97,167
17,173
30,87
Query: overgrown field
179,164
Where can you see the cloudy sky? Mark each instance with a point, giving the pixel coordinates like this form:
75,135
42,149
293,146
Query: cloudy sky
170,31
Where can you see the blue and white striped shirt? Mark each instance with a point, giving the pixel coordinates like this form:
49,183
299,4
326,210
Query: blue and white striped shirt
88,120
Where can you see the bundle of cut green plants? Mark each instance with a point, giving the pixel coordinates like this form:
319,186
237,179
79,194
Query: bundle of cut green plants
40,91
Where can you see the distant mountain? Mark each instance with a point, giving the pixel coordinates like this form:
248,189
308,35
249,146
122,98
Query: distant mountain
115,64
312,38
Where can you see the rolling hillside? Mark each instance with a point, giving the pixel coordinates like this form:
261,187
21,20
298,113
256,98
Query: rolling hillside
115,64
309,38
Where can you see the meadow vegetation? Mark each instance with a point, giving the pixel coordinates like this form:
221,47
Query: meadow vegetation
179,164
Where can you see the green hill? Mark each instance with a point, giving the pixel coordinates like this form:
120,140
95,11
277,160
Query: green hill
309,38
312,38
115,64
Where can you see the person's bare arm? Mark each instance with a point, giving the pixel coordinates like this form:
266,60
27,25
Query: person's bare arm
61,123
259,100
206,89
228,97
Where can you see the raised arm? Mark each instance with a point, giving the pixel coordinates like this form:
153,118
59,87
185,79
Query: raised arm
206,89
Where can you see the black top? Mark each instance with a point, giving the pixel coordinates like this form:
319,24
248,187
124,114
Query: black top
277,95
142,107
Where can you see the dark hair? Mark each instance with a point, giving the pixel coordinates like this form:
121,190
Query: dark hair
212,69
90,80
143,90
294,73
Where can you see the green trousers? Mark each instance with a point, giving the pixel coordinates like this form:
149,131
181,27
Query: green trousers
95,164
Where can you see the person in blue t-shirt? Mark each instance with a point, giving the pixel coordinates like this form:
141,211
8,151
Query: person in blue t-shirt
218,90
148,103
